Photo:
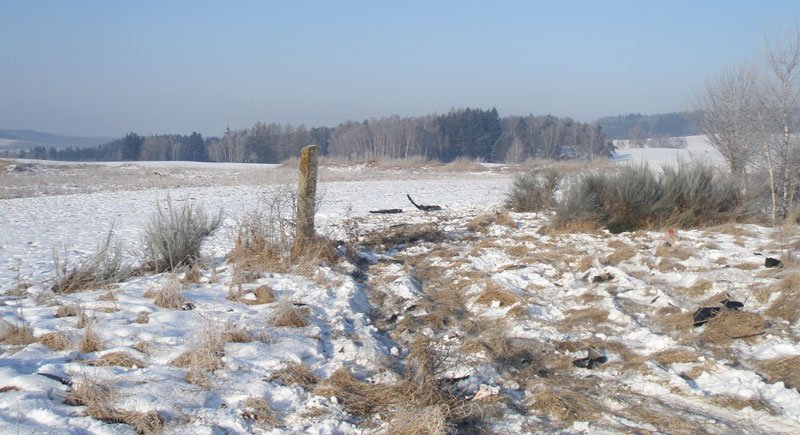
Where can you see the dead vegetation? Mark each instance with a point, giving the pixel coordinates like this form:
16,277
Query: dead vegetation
16,334
204,356
258,410
785,306
98,397
294,374
732,325
105,266
117,359
495,294
91,342
289,316
168,296
784,369
56,341
403,234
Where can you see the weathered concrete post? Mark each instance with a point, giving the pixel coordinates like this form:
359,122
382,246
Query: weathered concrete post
306,199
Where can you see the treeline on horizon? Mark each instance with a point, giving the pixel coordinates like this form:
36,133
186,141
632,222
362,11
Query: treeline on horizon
464,133
635,126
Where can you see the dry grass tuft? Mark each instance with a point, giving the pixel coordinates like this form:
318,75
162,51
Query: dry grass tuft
579,319
142,318
288,315
169,295
192,275
567,403
679,252
483,222
9,388
106,266
495,292
56,341
737,403
731,325
91,342
204,356
98,396
141,346
67,311
620,254
294,374
404,234
785,369
237,335
674,356
16,335
427,420
263,295
698,289
786,306
258,410
117,359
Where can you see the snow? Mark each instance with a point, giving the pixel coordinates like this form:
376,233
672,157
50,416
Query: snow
549,274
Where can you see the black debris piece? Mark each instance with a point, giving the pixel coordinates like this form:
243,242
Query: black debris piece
603,277
732,305
424,207
188,306
62,380
704,314
772,262
592,360
387,211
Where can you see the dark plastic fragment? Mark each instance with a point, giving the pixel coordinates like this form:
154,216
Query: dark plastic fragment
772,262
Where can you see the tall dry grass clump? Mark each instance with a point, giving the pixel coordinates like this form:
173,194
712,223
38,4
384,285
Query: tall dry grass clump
687,195
204,356
533,191
106,266
17,335
173,235
97,396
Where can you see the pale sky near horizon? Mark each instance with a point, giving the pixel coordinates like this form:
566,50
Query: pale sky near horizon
104,68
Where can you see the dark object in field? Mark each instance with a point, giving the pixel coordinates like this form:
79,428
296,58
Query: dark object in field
424,207
772,262
188,306
704,314
594,359
387,211
60,379
603,277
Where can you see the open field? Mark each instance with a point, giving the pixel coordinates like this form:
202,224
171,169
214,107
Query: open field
462,320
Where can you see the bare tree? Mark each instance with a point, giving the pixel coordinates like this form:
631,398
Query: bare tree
727,104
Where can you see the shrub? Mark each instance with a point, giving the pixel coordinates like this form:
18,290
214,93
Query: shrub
106,266
173,236
687,195
531,192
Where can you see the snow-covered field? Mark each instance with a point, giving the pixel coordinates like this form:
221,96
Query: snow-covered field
468,317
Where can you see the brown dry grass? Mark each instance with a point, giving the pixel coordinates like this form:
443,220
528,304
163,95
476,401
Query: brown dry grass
426,420
117,359
731,325
786,306
142,318
56,341
204,356
67,311
483,222
16,335
738,403
98,397
192,275
262,295
581,318
258,410
169,295
622,252
698,289
294,374
404,234
565,402
495,292
674,251
90,342
237,335
287,315
784,369
9,388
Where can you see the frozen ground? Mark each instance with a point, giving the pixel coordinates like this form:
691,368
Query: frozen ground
498,304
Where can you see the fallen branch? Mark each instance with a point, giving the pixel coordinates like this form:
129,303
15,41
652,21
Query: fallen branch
387,211
424,207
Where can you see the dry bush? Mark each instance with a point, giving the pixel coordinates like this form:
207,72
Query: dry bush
56,341
258,410
465,164
672,251
141,346
118,359
294,374
784,369
169,295
287,315
495,292
106,266
173,237
237,335
16,335
98,396
90,342
533,192
67,311
483,222
731,325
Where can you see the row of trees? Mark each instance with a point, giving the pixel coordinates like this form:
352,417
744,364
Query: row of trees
471,133
750,115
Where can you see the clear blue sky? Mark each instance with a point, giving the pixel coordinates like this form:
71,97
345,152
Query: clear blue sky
109,67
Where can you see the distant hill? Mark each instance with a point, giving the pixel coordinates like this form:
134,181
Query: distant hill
638,126
28,139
